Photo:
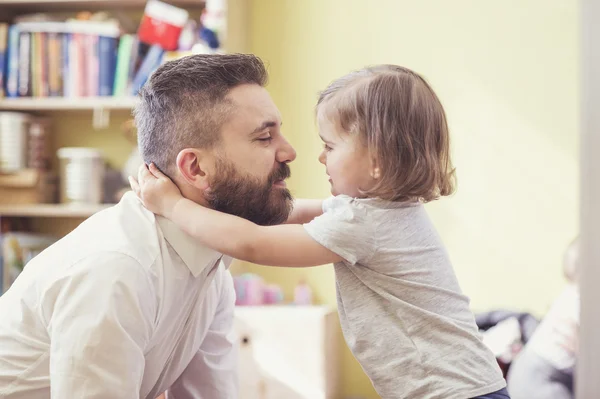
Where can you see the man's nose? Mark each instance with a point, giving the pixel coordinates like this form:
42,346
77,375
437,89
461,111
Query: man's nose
286,152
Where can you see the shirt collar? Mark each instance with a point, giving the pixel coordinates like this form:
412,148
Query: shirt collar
196,256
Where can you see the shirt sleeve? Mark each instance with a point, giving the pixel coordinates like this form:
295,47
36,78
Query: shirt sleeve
343,228
100,322
213,372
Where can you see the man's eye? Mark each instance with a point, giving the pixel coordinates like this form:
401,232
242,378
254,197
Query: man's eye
267,138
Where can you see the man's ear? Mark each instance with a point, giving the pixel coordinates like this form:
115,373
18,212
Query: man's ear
195,166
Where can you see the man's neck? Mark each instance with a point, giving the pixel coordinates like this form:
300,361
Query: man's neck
190,192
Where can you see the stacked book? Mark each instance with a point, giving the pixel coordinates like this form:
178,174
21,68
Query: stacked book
73,59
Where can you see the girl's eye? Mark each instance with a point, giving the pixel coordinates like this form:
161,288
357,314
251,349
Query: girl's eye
327,147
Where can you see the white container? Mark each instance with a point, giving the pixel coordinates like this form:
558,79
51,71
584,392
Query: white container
81,175
14,128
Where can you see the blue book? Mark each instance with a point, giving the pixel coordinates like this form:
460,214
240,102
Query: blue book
12,63
3,56
107,62
152,60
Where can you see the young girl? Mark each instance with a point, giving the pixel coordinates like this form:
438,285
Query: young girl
401,309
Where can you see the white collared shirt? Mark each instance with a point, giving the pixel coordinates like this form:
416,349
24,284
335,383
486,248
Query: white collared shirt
126,306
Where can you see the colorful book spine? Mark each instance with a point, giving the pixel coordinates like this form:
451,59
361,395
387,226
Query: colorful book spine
24,64
67,85
92,66
107,62
54,64
12,69
73,59
78,65
123,65
152,60
3,56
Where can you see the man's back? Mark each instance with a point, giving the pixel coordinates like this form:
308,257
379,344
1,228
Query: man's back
118,308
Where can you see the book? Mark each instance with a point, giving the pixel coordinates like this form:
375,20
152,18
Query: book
123,65
12,64
54,53
107,63
3,56
151,61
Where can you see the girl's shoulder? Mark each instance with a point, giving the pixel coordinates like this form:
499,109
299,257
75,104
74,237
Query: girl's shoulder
346,201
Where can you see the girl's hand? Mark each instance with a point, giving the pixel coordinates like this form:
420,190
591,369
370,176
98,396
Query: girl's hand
158,193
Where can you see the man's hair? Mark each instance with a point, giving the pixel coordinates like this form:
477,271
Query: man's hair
398,117
184,104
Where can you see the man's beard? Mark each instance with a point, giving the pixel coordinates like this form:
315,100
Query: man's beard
248,197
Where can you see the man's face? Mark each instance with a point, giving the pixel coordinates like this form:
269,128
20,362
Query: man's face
251,166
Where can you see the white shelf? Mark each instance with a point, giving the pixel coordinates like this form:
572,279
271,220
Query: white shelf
49,5
52,210
67,104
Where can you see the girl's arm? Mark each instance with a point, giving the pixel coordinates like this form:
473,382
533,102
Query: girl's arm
283,245
305,210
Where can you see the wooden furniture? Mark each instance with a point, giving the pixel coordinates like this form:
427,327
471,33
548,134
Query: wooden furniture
288,352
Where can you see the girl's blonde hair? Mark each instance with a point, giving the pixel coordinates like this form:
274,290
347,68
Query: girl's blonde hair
396,114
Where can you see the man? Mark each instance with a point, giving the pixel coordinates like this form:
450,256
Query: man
127,305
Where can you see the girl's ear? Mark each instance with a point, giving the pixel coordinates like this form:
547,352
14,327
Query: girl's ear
375,169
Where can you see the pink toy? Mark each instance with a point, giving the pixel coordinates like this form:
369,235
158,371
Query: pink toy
273,294
249,290
302,294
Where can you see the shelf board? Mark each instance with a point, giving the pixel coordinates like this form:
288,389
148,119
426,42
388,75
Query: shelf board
52,210
67,104
70,5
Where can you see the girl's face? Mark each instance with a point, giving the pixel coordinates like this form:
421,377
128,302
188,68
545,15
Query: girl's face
347,162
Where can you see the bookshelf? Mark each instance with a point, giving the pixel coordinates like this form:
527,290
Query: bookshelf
69,5
83,117
235,36
51,210
67,104
68,129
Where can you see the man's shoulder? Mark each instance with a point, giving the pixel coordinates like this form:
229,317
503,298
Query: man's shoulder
126,230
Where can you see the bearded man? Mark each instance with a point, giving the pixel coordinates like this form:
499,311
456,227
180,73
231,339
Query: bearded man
127,305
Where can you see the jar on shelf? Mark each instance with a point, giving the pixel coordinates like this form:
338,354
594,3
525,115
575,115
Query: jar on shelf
81,175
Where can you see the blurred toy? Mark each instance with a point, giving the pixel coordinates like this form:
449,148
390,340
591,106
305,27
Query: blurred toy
13,260
18,248
249,289
210,38
162,24
188,38
213,16
272,295
302,294
213,27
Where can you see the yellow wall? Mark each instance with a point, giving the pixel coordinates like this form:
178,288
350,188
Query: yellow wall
75,129
507,73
